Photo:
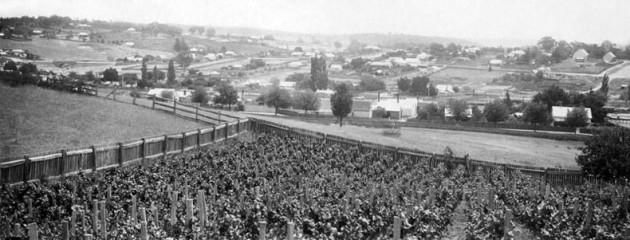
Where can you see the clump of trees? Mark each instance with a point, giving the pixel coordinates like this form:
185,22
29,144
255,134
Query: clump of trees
319,74
371,83
306,100
607,154
419,86
227,95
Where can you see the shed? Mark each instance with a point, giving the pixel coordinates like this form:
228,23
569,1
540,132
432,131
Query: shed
580,56
609,58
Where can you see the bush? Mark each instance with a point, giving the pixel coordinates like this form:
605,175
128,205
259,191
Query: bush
606,154
200,96
134,93
167,94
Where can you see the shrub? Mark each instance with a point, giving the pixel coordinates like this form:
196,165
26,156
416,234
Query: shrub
200,96
167,94
134,93
606,154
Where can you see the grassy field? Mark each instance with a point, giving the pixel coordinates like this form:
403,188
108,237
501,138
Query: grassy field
593,66
482,146
71,50
34,120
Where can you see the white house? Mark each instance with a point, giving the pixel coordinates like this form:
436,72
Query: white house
444,88
559,114
423,56
516,53
496,62
361,108
131,29
580,56
336,67
210,57
609,58
230,53
130,44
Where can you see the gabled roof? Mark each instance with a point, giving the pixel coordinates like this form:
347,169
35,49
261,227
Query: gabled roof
558,112
580,54
609,57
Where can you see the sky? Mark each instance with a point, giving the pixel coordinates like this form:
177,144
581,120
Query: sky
571,20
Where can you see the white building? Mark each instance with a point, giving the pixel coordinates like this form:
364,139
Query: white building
559,114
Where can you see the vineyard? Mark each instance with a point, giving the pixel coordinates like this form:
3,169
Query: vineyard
269,186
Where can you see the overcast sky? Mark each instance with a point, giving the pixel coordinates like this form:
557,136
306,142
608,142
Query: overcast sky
581,20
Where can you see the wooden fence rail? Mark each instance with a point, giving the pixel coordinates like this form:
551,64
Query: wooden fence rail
95,158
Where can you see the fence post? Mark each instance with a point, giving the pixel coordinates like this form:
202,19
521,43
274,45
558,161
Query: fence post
262,230
174,208
120,154
508,224
238,126
197,113
165,145
397,224
95,217
290,229
214,133
65,233
143,231
62,163
183,141
93,158
103,221
32,231
153,105
144,150
227,133
27,169
198,138
189,211
133,211
174,106
134,99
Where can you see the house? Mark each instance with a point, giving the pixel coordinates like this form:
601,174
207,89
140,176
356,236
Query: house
372,48
398,108
184,95
295,64
329,55
131,29
559,114
609,58
210,57
361,108
580,56
129,44
444,88
37,32
287,85
383,64
496,62
214,74
449,115
516,53
424,56
230,53
336,68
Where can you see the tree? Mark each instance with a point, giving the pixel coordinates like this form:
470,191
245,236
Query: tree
298,49
370,83
171,72
507,101
477,115
10,66
178,46
155,74
547,43
357,63
437,49
431,111
354,46
89,76
306,100
277,98
455,89
210,32
28,69
143,70
458,109
604,88
552,96
168,94
452,49
422,86
110,75
496,111
200,96
578,117
606,154
536,113
341,102
227,95
404,84
319,75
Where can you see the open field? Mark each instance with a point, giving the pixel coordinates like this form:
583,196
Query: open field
468,79
594,66
54,49
34,120
482,146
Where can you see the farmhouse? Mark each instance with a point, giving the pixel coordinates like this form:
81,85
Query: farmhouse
336,67
609,58
398,108
496,62
424,56
580,56
448,114
559,114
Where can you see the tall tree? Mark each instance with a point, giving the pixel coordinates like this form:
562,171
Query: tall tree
143,70
536,113
338,45
171,72
496,111
227,95
277,98
404,84
319,75
507,100
578,117
178,46
10,66
604,87
341,102
552,96
306,100
110,75
458,109
155,74
547,43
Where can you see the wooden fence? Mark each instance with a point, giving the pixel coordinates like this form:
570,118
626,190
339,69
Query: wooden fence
554,176
189,111
95,158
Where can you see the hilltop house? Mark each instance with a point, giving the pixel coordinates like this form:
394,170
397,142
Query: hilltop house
580,56
559,114
609,58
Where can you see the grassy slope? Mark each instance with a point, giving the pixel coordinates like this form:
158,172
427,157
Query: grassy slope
482,146
36,120
71,50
